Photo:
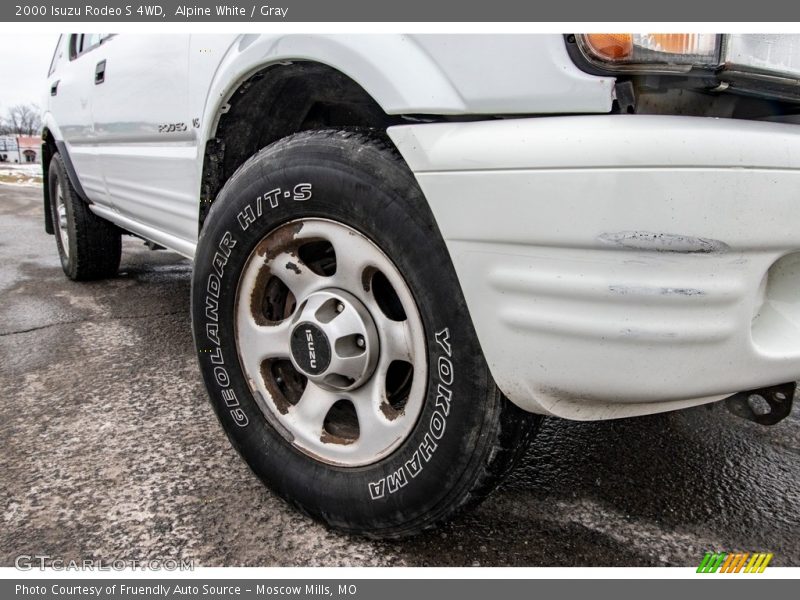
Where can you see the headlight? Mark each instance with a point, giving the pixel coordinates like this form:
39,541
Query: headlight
776,55
763,64
651,52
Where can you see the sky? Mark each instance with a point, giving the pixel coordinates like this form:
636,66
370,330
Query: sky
23,68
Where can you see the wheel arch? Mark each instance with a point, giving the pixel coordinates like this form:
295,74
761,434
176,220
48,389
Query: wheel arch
52,144
327,81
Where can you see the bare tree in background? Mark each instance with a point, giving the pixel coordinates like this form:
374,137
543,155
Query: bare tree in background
22,119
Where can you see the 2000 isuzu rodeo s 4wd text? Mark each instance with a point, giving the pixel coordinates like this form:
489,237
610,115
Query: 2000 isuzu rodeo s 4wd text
407,248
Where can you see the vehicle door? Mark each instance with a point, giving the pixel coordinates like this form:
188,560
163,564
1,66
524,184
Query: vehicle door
146,146
70,85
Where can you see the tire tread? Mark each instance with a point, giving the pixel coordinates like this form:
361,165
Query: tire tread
98,243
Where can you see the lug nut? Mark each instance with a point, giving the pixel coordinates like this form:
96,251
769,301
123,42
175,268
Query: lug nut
360,342
339,307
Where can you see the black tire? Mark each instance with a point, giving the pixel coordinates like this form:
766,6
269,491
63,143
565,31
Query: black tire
94,246
359,180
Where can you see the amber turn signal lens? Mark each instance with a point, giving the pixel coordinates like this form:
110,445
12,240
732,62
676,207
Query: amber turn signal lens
611,46
677,43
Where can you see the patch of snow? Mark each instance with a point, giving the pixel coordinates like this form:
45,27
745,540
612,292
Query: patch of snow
26,174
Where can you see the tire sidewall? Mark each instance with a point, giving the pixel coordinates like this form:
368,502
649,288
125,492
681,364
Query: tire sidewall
372,192
57,174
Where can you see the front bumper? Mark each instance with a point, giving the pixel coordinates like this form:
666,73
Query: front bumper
621,265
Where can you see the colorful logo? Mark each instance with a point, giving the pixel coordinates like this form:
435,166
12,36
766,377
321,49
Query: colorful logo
726,562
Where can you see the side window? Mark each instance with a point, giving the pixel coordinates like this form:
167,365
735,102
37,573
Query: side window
90,40
56,57
81,43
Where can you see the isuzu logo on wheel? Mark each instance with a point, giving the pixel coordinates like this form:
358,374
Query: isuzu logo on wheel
312,357
310,348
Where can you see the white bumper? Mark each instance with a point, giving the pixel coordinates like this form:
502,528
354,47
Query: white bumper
621,265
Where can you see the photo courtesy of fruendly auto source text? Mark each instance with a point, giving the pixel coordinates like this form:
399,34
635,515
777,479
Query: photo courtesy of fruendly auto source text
371,300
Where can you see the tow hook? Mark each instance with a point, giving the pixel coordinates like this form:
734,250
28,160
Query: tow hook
765,406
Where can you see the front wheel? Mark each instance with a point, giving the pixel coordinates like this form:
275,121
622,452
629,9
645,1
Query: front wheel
335,343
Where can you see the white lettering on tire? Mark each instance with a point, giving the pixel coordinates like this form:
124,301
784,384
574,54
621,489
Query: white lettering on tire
213,287
246,217
251,212
436,427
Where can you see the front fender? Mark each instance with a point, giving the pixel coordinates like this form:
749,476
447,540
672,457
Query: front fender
426,74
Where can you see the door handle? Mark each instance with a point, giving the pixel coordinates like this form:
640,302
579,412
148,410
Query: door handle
54,88
100,72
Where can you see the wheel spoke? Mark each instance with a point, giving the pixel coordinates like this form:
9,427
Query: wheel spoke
353,258
395,339
376,430
309,413
296,275
259,342
349,366
346,323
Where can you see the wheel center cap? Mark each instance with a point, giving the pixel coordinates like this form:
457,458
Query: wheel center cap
311,350
334,342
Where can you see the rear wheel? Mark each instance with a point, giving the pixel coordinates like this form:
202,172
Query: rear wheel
336,345
89,247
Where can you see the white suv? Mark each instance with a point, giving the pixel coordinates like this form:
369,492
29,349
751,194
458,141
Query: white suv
406,248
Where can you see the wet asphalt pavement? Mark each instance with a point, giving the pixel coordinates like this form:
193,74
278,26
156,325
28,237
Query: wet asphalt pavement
111,451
